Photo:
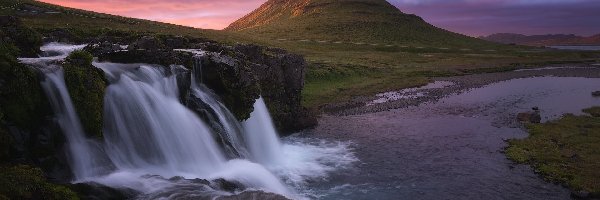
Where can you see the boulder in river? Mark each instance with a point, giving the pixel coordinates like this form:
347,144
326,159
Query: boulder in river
533,116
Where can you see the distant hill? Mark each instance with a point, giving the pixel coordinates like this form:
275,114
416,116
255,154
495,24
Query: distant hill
369,21
543,40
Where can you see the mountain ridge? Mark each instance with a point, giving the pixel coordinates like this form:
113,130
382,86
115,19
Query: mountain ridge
370,21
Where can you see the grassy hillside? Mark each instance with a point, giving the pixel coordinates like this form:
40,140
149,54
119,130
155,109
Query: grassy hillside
353,47
366,21
46,17
361,47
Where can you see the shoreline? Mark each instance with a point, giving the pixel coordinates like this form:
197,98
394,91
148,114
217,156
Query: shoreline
425,94
362,107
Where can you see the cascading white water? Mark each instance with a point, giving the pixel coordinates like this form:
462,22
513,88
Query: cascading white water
147,127
84,156
232,129
261,137
148,131
84,163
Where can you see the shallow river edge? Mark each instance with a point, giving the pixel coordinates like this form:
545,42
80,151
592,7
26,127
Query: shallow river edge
441,87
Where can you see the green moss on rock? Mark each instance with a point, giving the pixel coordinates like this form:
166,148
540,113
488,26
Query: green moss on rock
22,99
25,182
86,85
25,38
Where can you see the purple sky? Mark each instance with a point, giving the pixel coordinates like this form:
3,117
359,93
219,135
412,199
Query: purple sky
471,17
483,17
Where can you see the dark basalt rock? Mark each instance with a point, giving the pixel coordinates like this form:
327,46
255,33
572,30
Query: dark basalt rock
95,191
281,76
225,185
147,43
253,195
238,75
162,57
102,48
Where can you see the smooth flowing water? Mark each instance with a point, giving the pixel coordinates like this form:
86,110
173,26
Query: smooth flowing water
452,149
150,137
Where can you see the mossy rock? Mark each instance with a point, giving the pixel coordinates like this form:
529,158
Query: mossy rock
86,85
22,99
26,39
25,182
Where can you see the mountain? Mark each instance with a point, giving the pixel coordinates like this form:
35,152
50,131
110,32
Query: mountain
367,21
542,40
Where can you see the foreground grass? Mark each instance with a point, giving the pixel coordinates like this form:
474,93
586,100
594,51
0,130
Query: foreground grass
566,151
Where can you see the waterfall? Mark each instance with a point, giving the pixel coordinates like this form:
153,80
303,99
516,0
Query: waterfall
260,135
226,125
147,127
148,131
230,129
82,159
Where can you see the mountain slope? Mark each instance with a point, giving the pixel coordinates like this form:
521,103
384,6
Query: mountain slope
47,17
369,21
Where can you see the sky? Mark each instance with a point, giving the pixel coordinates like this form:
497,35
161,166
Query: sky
470,17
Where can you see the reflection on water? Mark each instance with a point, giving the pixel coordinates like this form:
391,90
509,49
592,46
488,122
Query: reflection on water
577,48
451,149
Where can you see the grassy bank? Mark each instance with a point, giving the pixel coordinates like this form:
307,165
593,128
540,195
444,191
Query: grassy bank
338,69
565,151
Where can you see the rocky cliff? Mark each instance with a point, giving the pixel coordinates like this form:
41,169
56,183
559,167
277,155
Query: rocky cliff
238,74
32,160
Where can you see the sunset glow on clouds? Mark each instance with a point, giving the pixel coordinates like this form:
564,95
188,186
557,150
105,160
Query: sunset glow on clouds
208,14
472,17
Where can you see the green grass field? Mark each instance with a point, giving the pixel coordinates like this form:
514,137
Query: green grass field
345,59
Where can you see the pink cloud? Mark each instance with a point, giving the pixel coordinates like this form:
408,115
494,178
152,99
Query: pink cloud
207,14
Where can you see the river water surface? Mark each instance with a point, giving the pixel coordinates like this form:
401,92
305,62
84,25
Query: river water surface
451,149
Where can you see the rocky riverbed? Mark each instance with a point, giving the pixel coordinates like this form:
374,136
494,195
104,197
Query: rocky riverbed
445,86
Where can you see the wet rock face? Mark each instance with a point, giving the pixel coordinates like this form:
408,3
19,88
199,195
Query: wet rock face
147,43
95,191
28,132
281,77
253,195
